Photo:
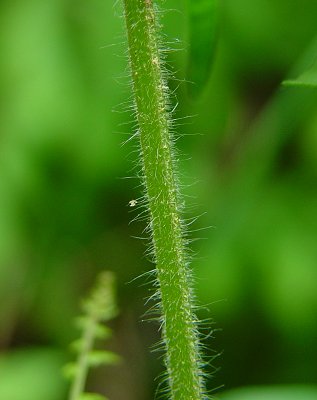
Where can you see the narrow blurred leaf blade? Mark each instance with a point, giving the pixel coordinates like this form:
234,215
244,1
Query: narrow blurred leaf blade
287,392
98,357
70,370
306,79
91,396
203,15
102,332
77,345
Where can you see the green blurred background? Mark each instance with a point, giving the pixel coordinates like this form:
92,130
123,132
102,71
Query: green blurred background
250,148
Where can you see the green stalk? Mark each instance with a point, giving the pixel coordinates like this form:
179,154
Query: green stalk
98,307
151,99
78,386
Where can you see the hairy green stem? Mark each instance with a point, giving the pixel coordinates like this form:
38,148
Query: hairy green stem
153,114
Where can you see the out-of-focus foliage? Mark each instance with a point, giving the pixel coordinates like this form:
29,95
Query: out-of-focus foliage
98,308
203,24
308,78
31,374
292,392
64,211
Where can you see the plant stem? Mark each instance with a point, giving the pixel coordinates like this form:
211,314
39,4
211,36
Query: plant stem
78,386
98,307
154,119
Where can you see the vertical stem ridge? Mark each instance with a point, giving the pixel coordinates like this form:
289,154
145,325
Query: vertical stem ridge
151,100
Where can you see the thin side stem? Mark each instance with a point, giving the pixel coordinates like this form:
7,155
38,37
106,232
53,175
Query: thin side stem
151,99
78,385
97,308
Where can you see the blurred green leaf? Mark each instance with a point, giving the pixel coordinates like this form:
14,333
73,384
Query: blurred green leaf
202,25
102,332
305,70
32,374
100,357
84,322
307,78
292,392
70,370
92,396
77,345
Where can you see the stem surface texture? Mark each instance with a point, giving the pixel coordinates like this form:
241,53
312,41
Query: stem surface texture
152,107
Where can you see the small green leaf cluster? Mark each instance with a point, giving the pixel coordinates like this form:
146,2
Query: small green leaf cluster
99,307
